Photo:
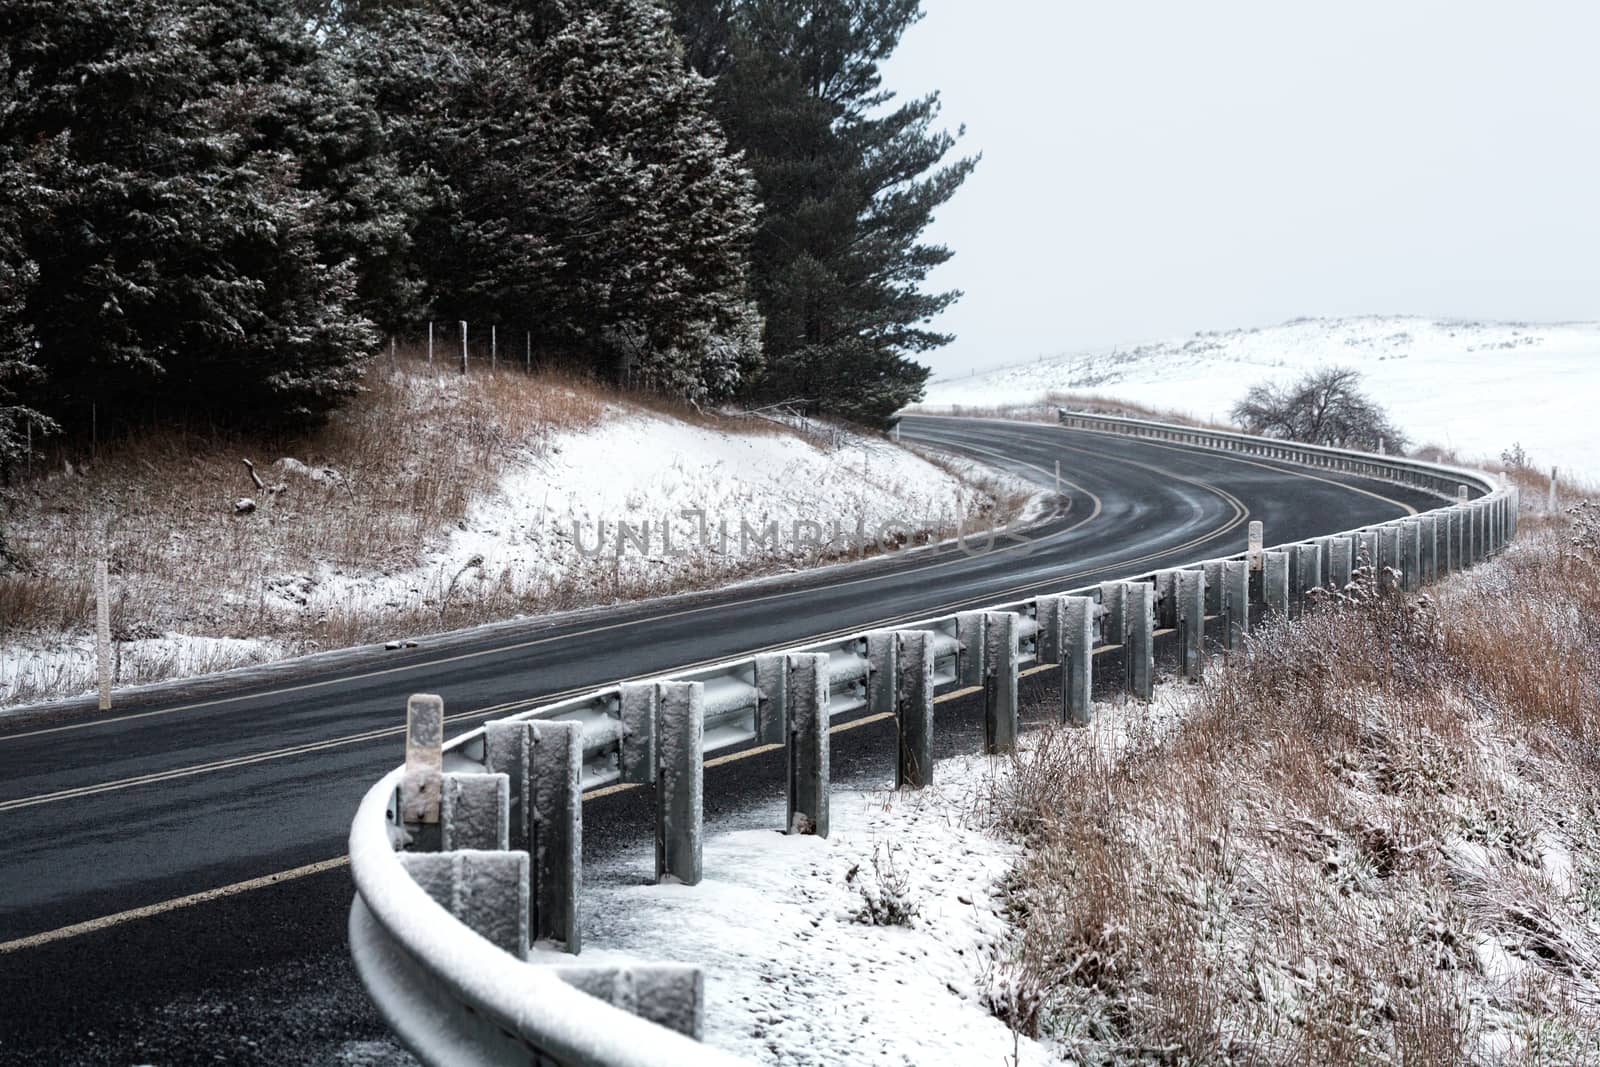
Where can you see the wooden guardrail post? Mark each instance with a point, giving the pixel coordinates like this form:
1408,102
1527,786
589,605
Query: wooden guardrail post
667,994
1275,583
1077,659
1388,556
1139,652
543,760
969,655
680,781
1342,552
1191,597
913,707
1428,546
1212,569
882,649
1307,575
1236,601
1368,552
772,687
1410,555
1113,613
636,758
808,699
487,890
475,812
1166,585
1000,657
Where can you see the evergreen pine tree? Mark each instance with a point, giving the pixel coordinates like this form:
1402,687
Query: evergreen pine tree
178,259
847,185
577,185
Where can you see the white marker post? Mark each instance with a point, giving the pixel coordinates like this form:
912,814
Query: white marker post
1257,541
463,346
494,349
1058,477
430,344
102,632
1553,472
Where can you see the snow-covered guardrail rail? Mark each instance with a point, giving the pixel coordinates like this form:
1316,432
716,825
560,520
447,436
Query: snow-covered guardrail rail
467,860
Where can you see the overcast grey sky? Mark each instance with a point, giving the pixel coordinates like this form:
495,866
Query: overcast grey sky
1155,168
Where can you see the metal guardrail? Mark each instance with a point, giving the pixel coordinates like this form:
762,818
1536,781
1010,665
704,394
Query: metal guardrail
467,859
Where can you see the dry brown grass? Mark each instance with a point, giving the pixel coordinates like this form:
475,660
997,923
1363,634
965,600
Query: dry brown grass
1375,837
406,460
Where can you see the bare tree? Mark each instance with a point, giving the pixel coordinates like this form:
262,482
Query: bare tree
1325,407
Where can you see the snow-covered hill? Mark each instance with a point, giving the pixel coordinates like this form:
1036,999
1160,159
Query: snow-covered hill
1474,387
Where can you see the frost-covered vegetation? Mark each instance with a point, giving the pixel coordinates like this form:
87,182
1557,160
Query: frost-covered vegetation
432,501
1373,837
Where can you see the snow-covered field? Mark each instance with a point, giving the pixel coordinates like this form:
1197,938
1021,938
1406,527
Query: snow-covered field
1474,387
548,535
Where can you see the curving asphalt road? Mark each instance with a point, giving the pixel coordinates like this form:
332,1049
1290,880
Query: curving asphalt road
158,805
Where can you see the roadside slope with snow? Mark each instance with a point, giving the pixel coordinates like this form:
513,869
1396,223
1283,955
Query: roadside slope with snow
1473,387
436,503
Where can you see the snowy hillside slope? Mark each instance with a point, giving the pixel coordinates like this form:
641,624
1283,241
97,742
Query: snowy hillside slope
545,534
1473,387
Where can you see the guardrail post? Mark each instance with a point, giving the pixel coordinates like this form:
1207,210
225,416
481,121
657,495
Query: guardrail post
1212,569
1192,622
1410,555
1342,552
772,686
1428,544
913,698
1113,612
1275,582
419,789
1307,574
1047,641
680,781
1000,656
544,762
969,657
637,753
475,812
1139,653
667,994
1166,600
1236,601
486,890
808,743
1368,551
1325,558
881,666
1450,538
1077,659
1388,556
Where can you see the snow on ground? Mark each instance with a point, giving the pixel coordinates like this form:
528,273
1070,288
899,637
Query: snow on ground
1475,387
552,533
794,974
796,971
645,498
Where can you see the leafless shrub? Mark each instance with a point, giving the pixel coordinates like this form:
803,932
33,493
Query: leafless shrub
886,895
1324,407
